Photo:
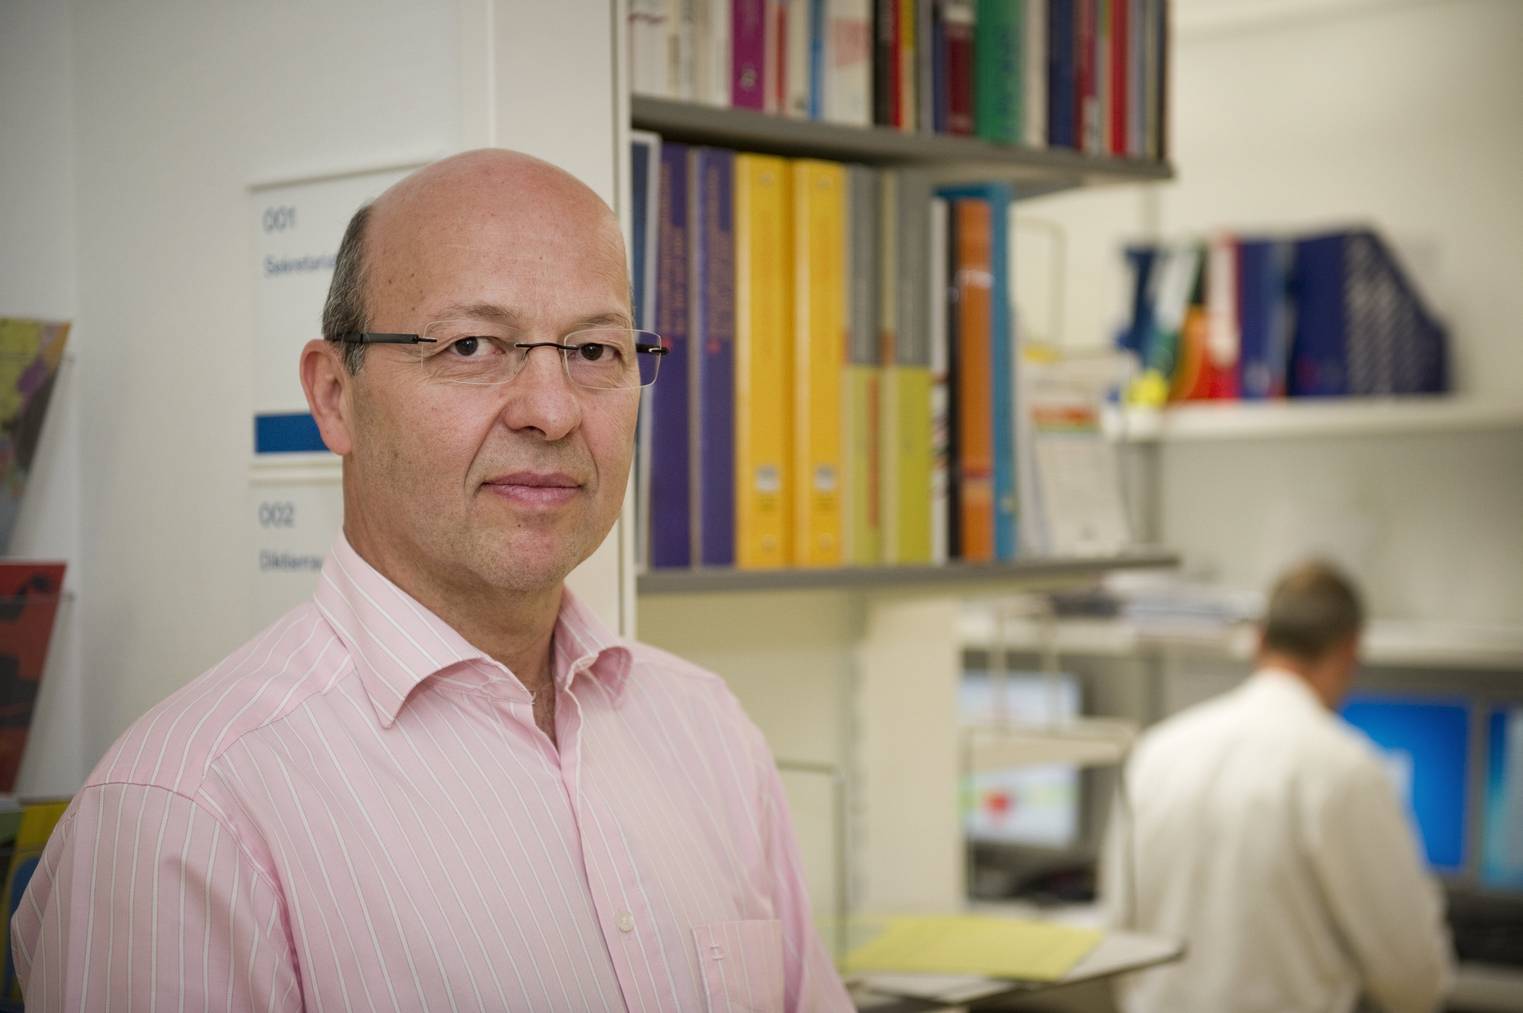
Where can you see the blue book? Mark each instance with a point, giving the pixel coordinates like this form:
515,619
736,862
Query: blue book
1319,351
1062,112
1134,337
817,69
670,516
713,337
999,197
1263,315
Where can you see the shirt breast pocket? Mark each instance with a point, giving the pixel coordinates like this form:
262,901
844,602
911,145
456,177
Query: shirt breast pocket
742,965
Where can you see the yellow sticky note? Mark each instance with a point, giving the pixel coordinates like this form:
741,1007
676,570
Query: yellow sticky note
973,945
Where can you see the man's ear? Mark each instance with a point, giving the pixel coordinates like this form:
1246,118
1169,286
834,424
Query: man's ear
327,384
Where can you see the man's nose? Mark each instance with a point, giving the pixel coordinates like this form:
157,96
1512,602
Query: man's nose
542,397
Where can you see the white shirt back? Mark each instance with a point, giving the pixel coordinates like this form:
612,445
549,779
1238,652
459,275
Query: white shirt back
1269,838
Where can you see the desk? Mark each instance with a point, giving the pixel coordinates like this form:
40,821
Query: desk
1481,988
1117,953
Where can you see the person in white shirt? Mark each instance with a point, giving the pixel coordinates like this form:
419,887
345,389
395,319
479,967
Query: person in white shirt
1265,833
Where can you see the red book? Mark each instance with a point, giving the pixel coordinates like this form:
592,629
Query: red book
959,43
1120,67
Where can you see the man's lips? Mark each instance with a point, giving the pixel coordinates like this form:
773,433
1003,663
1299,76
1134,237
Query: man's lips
533,488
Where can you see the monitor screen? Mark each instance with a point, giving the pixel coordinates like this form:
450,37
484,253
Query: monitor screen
1426,745
1502,818
1026,805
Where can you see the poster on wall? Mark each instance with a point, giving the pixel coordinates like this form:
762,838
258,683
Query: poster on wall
30,353
295,507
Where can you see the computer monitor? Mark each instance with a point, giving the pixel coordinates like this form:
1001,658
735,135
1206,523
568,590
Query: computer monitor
1426,744
1032,805
1502,815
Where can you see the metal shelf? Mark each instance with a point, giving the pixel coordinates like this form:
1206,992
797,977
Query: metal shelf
985,577
1316,417
947,158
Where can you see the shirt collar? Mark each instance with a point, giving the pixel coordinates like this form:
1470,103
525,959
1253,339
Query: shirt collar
1286,686
397,643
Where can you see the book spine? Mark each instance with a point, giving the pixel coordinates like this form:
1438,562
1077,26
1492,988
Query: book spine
1034,68
1087,128
1120,75
940,392
849,80
819,360
775,50
975,413
913,369
925,66
888,384
939,96
1002,392
883,62
860,413
681,49
716,45
670,502
1136,87
714,346
818,67
908,65
748,57
799,19
1062,115
997,53
648,47
960,23
763,357
1100,141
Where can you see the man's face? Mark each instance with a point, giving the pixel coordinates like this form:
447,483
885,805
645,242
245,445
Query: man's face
476,488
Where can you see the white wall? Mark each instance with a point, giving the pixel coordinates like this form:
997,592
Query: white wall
179,106
37,279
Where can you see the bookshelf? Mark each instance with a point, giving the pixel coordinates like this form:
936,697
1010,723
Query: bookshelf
1316,418
953,578
1036,171
858,668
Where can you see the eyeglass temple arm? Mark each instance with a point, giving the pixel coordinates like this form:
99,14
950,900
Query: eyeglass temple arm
374,338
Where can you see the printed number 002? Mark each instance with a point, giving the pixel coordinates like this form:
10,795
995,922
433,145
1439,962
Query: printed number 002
277,515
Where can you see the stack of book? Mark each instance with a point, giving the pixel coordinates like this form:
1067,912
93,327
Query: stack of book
1081,74
841,383
1331,314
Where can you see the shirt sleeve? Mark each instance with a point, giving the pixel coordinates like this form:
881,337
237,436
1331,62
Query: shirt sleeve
1387,908
811,981
144,894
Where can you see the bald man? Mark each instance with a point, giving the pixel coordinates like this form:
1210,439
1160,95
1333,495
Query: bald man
442,783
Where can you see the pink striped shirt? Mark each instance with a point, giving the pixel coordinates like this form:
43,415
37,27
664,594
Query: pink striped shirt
356,811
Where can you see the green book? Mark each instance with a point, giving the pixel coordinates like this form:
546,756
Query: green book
998,55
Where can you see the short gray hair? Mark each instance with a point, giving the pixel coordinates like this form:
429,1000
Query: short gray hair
344,311
1313,608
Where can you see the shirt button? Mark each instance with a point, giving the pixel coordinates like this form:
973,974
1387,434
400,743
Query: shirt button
626,921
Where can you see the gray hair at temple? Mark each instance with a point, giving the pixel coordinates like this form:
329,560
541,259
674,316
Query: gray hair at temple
344,310
1313,608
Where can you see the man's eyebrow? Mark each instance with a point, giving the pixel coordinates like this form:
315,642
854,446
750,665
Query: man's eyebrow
482,311
512,318
618,319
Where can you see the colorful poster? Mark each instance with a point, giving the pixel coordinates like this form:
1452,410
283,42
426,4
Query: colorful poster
29,596
30,351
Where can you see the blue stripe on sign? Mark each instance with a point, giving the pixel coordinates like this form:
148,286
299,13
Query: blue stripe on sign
293,433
